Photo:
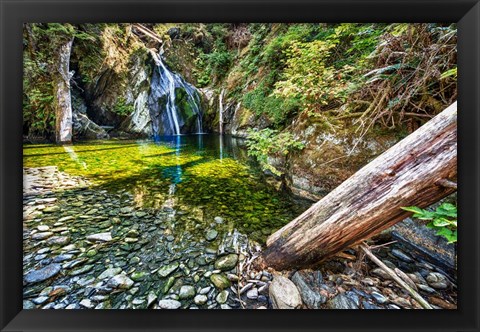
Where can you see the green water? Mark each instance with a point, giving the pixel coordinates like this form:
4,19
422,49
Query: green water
199,176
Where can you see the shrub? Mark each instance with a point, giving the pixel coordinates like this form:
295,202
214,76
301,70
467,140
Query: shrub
443,219
264,143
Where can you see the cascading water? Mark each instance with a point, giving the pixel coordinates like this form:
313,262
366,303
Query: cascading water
174,104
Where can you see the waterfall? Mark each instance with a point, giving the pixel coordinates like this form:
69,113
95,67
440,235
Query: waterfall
174,104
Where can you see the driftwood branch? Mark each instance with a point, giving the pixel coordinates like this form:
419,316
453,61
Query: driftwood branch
395,277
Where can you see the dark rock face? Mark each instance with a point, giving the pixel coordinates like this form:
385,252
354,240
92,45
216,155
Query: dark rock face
43,273
423,241
308,284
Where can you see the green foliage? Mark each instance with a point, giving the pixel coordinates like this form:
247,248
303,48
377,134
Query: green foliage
122,108
267,142
277,108
443,219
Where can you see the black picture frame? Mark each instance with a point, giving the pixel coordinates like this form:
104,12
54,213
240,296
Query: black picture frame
14,13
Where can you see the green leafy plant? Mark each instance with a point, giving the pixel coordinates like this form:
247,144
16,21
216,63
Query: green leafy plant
267,142
443,219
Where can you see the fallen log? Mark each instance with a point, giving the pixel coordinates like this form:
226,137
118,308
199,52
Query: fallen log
412,172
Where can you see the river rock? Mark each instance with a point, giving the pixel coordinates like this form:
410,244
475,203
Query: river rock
109,273
308,283
186,292
166,270
120,281
341,301
220,281
218,220
437,280
284,294
43,228
227,262
252,294
200,299
211,235
222,297
86,303
380,298
41,235
169,304
100,237
43,273
58,240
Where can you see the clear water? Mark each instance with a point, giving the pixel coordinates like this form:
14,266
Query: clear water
197,176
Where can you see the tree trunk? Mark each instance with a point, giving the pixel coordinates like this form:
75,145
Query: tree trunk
220,111
63,102
412,172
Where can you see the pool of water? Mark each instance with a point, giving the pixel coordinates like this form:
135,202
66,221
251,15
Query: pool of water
199,177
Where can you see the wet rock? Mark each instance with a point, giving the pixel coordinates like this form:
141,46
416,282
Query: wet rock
368,305
83,269
200,299
218,220
379,297
401,255
404,303
245,288
63,219
211,235
205,290
169,304
28,305
109,273
62,258
166,270
186,292
120,281
437,280
43,273
137,275
426,288
86,303
58,240
100,237
40,300
51,209
284,294
341,301
308,283
151,298
220,281
227,262
168,284
252,294
41,235
381,273
222,297
43,228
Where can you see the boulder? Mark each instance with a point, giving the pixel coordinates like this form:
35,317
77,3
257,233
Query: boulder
284,294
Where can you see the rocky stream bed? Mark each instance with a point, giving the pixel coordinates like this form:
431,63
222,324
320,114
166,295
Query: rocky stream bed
86,248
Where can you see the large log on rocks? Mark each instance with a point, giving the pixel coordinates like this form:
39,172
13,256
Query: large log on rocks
412,172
